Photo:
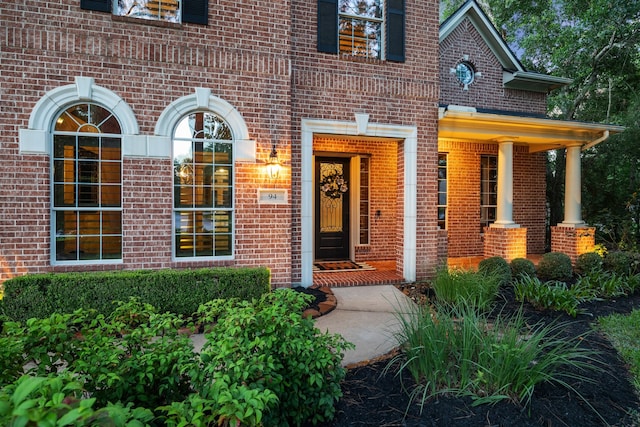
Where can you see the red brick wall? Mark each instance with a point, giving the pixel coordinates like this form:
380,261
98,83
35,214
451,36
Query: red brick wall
507,243
243,55
334,87
258,55
463,208
487,91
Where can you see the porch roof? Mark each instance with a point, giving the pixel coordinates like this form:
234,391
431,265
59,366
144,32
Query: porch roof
539,133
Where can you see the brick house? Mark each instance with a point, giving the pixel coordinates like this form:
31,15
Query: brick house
192,133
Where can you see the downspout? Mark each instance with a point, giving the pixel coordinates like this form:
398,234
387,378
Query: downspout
605,135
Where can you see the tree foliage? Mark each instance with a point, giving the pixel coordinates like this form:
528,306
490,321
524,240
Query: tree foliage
595,43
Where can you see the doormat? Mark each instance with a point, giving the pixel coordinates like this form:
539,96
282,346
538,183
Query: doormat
338,266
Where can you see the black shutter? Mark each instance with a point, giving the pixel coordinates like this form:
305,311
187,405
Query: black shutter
99,5
395,30
328,26
195,11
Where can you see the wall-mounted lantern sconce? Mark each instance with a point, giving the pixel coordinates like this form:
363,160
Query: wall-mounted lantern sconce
273,164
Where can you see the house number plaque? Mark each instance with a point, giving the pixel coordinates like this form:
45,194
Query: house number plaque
271,196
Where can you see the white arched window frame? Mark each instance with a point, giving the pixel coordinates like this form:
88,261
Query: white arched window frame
38,138
244,149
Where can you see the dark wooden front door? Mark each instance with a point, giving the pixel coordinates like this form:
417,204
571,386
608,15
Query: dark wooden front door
332,208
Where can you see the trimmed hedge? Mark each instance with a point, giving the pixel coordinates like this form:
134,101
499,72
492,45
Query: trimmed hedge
555,266
496,266
176,291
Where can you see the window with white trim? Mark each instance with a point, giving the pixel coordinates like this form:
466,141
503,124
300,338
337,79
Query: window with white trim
86,185
442,191
365,200
364,28
488,190
177,11
203,187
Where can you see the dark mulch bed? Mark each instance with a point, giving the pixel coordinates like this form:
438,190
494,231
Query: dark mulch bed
372,398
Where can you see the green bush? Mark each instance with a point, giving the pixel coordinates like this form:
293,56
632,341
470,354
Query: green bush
60,401
452,287
497,266
588,262
263,364
177,291
270,346
622,263
521,267
555,266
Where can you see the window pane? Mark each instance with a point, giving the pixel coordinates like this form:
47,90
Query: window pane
112,247
111,149
66,248
110,172
64,195
89,248
66,223
111,222
162,10
366,8
64,146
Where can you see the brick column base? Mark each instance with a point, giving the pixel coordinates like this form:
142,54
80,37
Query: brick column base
573,241
508,243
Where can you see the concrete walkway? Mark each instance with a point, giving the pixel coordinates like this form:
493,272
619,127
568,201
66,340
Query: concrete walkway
364,316
367,317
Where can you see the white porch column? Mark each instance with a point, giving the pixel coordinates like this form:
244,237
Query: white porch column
504,210
573,188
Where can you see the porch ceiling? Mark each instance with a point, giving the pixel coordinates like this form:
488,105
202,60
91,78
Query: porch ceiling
540,134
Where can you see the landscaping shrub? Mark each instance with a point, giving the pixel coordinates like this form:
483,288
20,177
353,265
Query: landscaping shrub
178,291
269,345
521,267
622,263
452,287
588,262
263,364
497,266
462,352
555,266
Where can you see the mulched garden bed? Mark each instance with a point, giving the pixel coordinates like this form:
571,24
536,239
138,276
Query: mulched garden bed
374,398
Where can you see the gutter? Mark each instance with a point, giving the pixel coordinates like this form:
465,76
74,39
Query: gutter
605,135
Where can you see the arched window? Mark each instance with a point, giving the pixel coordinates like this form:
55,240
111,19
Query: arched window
203,186
86,185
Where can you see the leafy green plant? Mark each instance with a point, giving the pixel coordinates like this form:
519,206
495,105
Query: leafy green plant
452,287
497,266
601,284
59,401
555,266
521,267
588,262
268,346
462,352
552,295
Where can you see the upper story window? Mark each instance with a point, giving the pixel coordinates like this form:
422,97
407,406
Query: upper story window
360,27
365,28
178,11
203,187
86,185
162,10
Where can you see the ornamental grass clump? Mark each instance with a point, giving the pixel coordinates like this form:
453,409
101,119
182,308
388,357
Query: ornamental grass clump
458,351
478,289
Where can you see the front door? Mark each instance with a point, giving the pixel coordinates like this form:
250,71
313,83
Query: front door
332,208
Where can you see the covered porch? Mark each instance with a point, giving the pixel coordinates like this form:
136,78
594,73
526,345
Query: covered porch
505,134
